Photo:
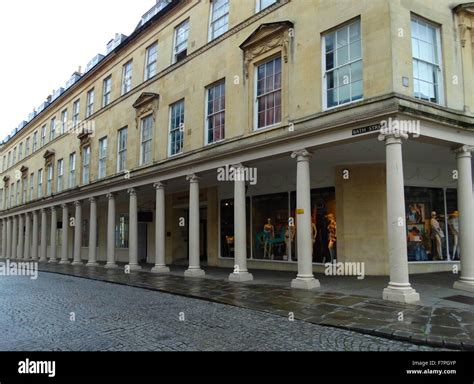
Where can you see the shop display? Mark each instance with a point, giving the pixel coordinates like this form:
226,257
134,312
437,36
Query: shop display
453,225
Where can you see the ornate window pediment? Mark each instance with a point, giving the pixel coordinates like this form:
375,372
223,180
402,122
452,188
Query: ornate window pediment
146,103
24,172
49,156
266,38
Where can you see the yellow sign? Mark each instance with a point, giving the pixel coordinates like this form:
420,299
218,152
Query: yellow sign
300,211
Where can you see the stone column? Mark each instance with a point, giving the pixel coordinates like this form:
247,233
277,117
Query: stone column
92,262
65,235
133,231
34,246
160,231
466,219
77,233
399,288
54,231
4,238
27,251
111,232
9,238
15,238
305,278
194,269
240,227
43,246
19,255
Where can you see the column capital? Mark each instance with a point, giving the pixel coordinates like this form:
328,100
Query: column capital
301,154
132,191
393,137
238,166
193,178
110,196
92,200
77,203
159,185
53,208
43,210
464,151
64,206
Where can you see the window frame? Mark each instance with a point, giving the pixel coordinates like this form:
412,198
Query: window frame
142,161
175,41
127,81
60,176
211,36
107,91
324,99
122,151
102,163
86,166
90,100
206,111
147,74
72,178
170,154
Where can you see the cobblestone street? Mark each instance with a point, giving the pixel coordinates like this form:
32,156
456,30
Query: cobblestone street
63,313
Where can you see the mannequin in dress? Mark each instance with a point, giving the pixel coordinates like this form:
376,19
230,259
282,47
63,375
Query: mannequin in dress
289,237
453,224
437,234
332,235
269,235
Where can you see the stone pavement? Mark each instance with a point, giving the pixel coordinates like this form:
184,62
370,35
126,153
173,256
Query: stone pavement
437,326
65,313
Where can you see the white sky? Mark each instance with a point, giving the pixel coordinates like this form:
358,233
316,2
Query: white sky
44,41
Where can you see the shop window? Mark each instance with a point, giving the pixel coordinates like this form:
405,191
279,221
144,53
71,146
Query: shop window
427,220
453,224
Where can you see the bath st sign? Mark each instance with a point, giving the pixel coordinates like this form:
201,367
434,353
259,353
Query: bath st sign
369,129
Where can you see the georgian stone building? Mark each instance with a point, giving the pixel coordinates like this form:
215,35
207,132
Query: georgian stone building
354,117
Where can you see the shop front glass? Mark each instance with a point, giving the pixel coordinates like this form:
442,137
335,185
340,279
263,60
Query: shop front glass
431,220
227,228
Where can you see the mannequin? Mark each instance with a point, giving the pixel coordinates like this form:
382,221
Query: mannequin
289,237
437,235
269,235
453,224
332,236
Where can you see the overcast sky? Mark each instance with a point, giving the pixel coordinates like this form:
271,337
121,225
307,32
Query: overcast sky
44,41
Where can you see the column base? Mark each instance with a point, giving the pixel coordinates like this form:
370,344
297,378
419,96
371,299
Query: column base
53,261
160,269
401,295
240,277
111,266
64,262
306,283
133,267
77,263
40,260
197,272
464,285
92,264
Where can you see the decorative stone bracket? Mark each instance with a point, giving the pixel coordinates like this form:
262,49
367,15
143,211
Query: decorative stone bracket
465,14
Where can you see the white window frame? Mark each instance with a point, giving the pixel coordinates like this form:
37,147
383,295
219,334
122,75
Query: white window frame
206,112
175,40
122,152
76,110
27,146
441,90
148,140
49,179
60,181
90,102
20,151
212,21
32,186
64,121
170,154
24,183
127,75
34,147
107,91
43,136
258,5
323,66
72,170
86,165
40,184
102,171
52,129
255,122
148,63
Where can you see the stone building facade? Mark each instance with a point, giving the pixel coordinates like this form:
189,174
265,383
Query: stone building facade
259,134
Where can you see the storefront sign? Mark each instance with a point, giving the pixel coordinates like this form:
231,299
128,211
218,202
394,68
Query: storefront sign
370,128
